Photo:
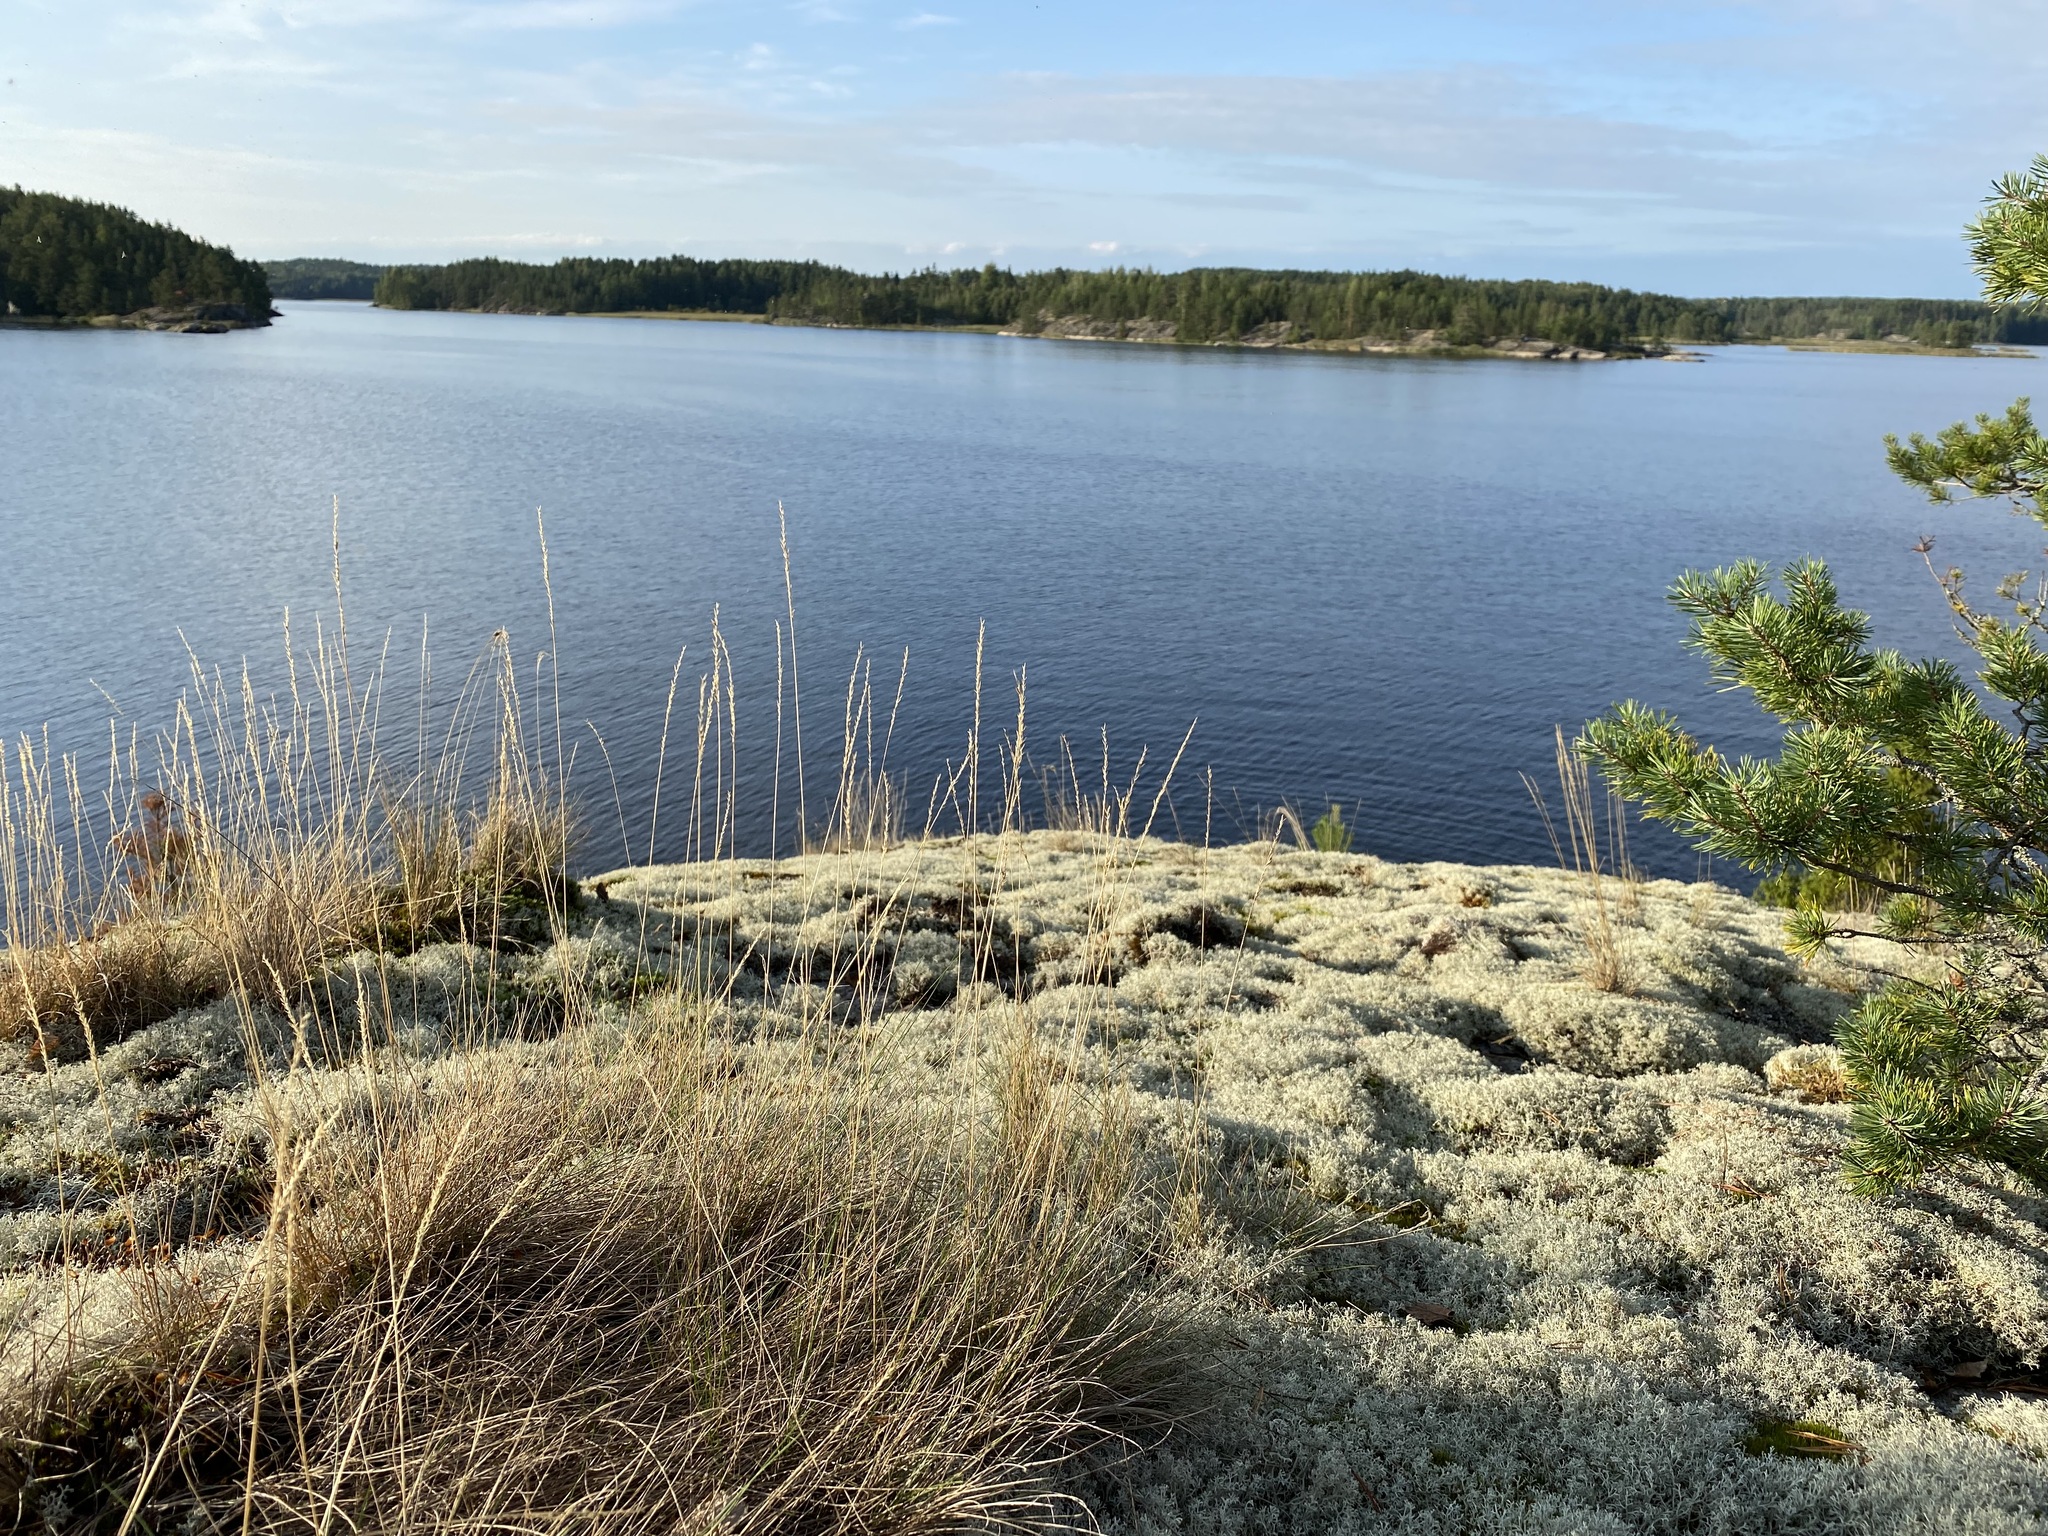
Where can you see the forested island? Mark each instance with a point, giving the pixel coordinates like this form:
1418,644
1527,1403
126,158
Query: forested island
1375,311
67,261
323,278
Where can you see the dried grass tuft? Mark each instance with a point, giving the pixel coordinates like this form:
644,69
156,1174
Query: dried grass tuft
599,1247
633,1293
256,840
1813,1072
1613,886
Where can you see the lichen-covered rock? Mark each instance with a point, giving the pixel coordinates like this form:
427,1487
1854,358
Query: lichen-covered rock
1628,1200
1486,1248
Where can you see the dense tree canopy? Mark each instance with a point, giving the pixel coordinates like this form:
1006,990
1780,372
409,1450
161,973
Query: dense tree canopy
69,259
1206,304
584,285
320,278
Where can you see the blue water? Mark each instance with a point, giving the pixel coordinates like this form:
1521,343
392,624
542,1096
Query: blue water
1378,582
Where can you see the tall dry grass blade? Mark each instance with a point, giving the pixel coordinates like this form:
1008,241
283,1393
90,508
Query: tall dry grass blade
796,699
1604,966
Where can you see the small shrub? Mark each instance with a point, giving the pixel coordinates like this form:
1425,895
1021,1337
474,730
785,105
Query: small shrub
1797,886
1330,834
1901,782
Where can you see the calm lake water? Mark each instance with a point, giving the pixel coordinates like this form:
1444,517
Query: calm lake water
1378,582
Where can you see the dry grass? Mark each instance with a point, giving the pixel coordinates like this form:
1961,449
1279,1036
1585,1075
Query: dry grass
652,1266
1813,1072
1612,884
1100,802
257,839
637,1292
867,817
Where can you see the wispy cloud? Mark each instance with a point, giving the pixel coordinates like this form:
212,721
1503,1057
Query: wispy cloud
1652,144
531,240
216,19
563,15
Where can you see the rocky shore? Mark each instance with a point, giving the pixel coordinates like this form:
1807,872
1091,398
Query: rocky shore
1284,334
186,319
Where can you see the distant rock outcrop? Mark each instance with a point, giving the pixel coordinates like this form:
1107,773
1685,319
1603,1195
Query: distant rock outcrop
1081,328
190,319
1285,333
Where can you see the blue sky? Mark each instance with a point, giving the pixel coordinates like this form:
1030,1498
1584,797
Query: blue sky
1699,146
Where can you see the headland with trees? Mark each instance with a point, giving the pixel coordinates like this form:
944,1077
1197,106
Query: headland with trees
64,260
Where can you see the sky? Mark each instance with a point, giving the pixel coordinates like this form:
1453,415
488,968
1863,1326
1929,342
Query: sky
1701,147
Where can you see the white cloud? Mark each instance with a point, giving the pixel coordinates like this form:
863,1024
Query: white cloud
220,19
1844,128
558,15
548,241
261,62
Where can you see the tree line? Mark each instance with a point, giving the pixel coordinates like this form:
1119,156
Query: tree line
65,258
1206,304
310,277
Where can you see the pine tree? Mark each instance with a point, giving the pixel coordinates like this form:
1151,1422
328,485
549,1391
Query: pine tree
2010,242
65,258
1899,778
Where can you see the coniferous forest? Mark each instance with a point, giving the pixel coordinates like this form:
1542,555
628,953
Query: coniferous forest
319,278
67,259
1203,305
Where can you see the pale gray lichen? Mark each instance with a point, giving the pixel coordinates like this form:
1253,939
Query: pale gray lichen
1645,1242
1627,1201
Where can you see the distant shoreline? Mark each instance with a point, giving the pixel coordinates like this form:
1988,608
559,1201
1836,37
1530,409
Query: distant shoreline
181,319
1149,334
217,319
1138,333
1890,348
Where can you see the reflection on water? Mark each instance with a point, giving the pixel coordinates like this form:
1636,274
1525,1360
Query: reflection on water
1378,582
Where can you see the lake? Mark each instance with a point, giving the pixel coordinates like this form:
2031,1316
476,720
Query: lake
1377,582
